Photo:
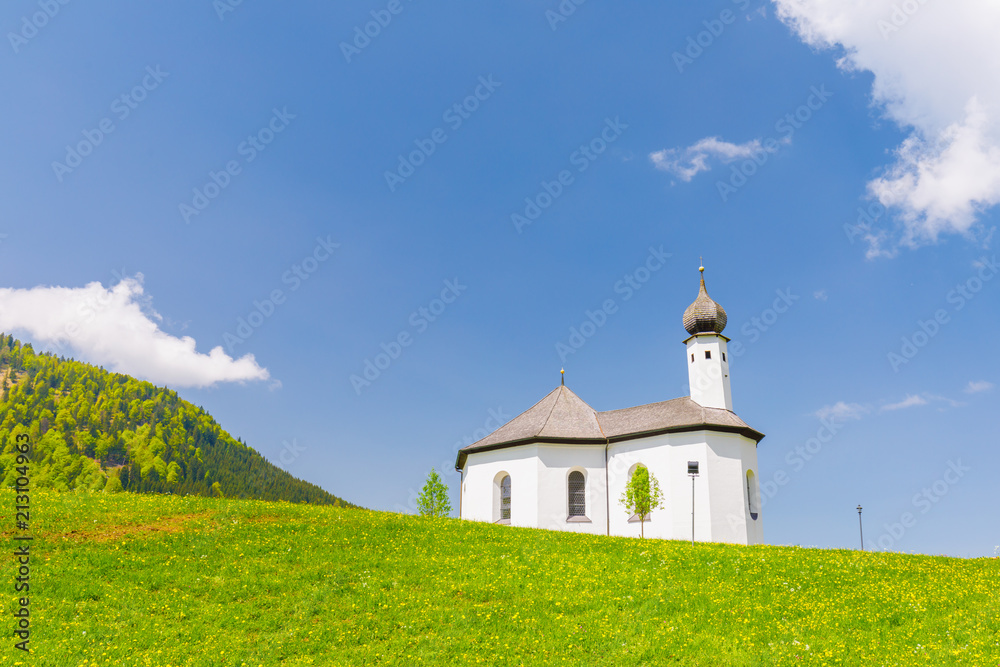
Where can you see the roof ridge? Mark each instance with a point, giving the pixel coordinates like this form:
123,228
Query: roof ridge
600,427
644,405
551,410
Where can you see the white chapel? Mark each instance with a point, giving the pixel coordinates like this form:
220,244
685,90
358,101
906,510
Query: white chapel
562,465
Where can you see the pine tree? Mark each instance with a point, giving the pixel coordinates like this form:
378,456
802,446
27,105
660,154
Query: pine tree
433,498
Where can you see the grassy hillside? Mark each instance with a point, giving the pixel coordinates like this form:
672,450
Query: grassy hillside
97,430
127,579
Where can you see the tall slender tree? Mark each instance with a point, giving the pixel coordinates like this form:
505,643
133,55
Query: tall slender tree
642,495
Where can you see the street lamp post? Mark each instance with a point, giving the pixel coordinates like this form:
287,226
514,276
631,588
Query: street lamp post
693,472
861,528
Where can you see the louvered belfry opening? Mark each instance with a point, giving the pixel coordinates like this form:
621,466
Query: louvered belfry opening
577,494
505,498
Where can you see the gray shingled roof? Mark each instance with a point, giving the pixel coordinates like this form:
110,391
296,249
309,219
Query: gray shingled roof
560,415
669,415
563,417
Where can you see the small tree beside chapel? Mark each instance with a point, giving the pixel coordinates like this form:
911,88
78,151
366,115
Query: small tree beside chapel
433,498
642,495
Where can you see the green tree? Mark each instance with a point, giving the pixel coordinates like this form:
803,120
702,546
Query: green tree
114,485
642,495
433,498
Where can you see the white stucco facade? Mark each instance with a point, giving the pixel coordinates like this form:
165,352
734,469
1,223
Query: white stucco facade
708,370
726,506
563,466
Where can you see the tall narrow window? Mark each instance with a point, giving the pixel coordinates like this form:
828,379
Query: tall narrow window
751,495
577,494
505,498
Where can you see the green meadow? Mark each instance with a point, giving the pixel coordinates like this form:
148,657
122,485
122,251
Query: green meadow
125,579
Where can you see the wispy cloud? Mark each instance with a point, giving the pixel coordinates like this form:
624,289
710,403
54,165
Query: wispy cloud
917,400
686,163
944,399
911,401
842,411
116,327
946,173
845,411
978,386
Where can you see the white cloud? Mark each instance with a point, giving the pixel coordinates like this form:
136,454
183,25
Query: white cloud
978,386
686,163
820,295
846,411
944,399
842,411
116,328
947,172
912,400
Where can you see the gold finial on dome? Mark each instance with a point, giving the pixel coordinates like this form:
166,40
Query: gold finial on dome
562,375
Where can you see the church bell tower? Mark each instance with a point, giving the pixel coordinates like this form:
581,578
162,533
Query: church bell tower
707,355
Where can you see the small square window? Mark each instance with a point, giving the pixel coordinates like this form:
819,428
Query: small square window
708,354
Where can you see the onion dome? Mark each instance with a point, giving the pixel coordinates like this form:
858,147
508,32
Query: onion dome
704,315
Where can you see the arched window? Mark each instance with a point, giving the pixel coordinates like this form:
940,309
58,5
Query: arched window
505,499
577,487
501,497
752,495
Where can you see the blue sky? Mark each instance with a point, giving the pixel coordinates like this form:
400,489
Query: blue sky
251,202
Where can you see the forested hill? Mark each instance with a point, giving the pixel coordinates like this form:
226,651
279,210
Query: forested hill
96,430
